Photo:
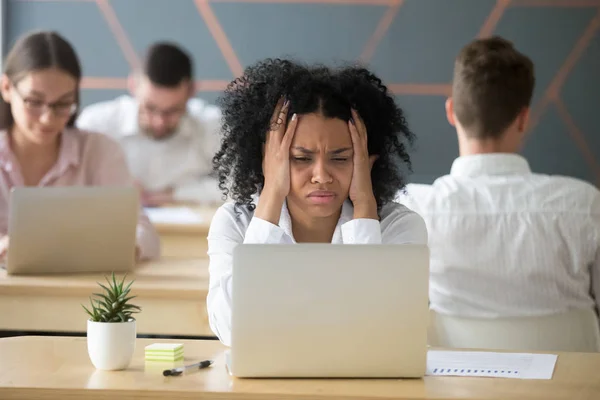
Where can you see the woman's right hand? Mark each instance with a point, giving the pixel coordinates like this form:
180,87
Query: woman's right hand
276,163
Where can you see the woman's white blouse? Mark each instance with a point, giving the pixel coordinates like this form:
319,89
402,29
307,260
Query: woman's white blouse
231,226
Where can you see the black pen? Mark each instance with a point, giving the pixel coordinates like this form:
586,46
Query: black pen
180,370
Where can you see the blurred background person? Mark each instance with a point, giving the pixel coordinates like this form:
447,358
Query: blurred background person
168,136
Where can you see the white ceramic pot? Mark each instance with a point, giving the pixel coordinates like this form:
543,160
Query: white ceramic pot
111,344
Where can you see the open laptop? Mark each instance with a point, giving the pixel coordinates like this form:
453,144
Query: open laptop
326,311
72,229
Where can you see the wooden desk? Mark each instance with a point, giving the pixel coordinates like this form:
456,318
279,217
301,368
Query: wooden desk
172,294
186,240
59,368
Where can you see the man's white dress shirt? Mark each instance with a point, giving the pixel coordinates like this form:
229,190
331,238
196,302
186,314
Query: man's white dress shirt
231,226
182,162
506,242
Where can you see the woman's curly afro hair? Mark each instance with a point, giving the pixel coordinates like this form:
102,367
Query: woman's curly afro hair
248,103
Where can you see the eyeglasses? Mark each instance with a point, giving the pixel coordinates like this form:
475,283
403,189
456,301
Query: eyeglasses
38,107
168,113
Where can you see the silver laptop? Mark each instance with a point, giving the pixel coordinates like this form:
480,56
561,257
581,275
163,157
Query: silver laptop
327,311
72,229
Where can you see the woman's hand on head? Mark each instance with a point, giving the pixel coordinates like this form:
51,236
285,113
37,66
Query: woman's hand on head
276,163
361,187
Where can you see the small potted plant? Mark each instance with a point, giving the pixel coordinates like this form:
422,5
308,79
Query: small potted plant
111,330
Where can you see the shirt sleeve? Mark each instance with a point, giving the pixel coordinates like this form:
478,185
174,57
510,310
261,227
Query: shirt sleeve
362,231
595,267
228,229
200,186
263,232
225,233
413,196
401,226
595,272
94,118
110,168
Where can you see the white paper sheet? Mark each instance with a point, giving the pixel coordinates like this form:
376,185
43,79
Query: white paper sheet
490,364
173,215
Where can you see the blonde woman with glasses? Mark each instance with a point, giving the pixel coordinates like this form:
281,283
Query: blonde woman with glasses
39,145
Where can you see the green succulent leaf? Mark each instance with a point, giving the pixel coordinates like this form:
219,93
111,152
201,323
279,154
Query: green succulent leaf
112,303
109,292
128,287
121,284
131,307
91,314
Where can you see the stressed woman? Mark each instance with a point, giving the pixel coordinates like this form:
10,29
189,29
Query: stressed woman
309,154
39,145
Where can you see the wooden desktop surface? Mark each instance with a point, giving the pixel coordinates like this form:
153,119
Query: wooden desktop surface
204,212
171,292
186,240
59,368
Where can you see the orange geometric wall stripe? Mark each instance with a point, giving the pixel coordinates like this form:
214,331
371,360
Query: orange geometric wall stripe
493,18
95,82
211,85
341,2
556,3
119,33
56,1
425,89
574,56
555,86
514,3
380,31
579,139
415,88
91,82
551,94
219,36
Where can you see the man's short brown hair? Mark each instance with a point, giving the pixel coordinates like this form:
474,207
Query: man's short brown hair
492,84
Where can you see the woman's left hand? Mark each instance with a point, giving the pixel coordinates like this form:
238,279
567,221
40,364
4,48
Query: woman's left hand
361,187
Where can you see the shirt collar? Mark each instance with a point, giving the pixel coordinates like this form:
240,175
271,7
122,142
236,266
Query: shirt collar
130,125
5,151
285,221
69,153
490,164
